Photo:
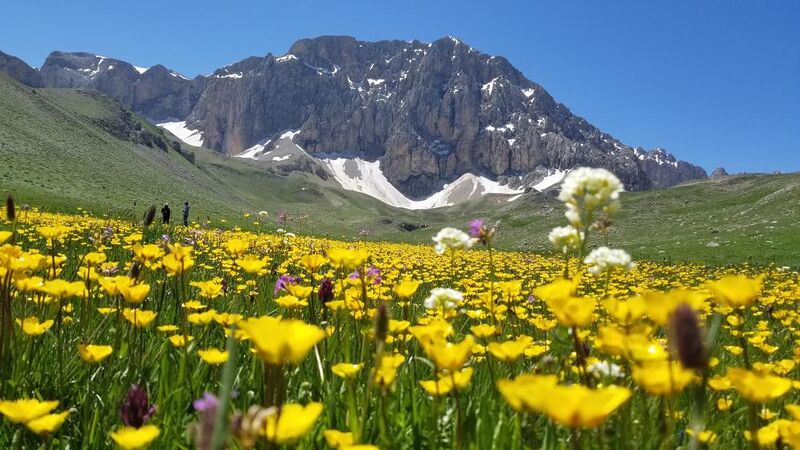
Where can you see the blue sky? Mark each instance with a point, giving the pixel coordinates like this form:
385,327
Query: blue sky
715,82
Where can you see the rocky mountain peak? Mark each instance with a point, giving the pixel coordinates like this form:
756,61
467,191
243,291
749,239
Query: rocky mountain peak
428,112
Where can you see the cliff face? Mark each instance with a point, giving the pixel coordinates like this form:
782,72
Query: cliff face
429,112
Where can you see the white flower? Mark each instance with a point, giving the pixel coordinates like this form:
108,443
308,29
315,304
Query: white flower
597,188
604,259
604,368
443,298
565,238
449,238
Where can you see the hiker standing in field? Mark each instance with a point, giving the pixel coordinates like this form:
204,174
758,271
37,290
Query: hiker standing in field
186,214
165,213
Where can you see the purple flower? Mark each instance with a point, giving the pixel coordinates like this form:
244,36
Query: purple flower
206,402
355,275
135,409
373,272
475,228
224,285
282,282
325,291
165,237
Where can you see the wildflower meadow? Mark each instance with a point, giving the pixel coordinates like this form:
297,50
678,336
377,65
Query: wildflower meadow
137,335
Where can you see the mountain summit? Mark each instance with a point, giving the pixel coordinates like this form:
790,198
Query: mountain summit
427,113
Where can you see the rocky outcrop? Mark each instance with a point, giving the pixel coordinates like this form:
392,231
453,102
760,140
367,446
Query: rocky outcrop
158,93
430,112
719,172
20,71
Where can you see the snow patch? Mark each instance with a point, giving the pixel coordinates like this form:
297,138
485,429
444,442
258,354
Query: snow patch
528,93
550,180
489,87
285,58
290,134
366,177
281,158
141,70
253,152
179,129
374,82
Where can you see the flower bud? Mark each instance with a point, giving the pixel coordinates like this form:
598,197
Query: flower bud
11,212
687,338
381,322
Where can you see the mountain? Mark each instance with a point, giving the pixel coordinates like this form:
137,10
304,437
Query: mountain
426,113
63,149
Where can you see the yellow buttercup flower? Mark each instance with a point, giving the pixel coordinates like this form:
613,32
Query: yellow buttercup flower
47,424
134,293
509,351
4,236
385,374
346,370
756,387
577,406
25,410
130,438
735,290
139,317
406,288
252,263
527,392
291,422
573,311
179,340
235,247
208,289
213,356
338,439
660,305
61,289
449,356
447,382
279,341
32,327
94,353
662,378
312,263
347,259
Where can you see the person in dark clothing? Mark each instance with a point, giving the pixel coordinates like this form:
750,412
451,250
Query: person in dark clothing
186,214
165,213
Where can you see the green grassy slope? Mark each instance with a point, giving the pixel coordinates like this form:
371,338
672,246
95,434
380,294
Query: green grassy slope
63,149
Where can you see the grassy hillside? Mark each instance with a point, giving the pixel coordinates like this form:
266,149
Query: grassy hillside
64,149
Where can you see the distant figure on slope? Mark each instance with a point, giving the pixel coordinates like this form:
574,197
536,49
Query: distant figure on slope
165,213
186,214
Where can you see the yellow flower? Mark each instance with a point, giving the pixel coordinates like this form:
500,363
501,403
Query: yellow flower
386,372
4,235
447,382
406,288
757,387
113,285
576,406
281,341
735,290
347,259
51,232
252,263
299,291
527,392
139,317
573,311
32,327
47,424
61,289
449,356
176,265
346,370
25,410
179,340
313,262
291,422
134,294
208,289
130,438
662,378
213,356
338,439
94,353
660,305
625,312
235,247
94,258
509,351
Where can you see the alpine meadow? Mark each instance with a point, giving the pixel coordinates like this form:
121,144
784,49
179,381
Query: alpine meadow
371,243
